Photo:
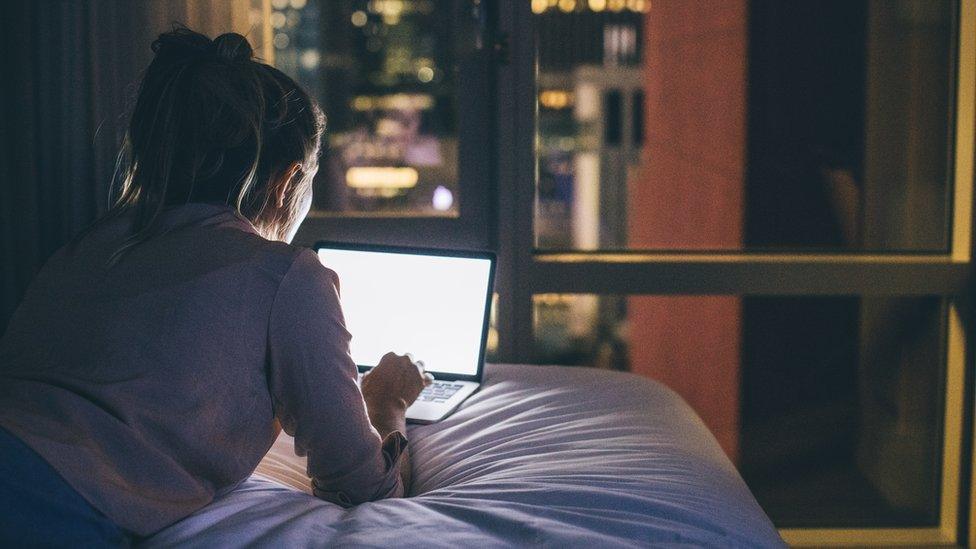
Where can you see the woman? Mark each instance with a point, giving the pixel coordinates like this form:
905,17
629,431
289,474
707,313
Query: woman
151,361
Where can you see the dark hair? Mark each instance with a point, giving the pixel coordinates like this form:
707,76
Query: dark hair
212,124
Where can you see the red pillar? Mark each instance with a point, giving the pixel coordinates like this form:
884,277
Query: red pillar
688,194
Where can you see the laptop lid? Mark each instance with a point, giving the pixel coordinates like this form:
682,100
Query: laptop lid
433,304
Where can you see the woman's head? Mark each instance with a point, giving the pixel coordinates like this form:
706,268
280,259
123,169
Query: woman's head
211,124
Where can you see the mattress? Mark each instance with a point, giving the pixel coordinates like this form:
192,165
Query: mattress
541,456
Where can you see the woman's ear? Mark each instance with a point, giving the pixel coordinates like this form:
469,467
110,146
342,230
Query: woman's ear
281,186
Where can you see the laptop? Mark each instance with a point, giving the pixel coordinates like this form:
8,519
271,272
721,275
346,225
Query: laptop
433,304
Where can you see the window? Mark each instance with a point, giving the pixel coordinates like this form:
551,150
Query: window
829,405
404,86
783,236
769,125
775,194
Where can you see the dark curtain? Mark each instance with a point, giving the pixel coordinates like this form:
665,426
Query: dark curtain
69,71
45,139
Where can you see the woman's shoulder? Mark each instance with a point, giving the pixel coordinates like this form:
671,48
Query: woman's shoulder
306,269
294,266
279,257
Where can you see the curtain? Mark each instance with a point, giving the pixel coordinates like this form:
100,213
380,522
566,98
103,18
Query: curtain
45,139
69,72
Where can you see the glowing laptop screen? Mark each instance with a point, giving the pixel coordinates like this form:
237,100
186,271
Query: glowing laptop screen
430,306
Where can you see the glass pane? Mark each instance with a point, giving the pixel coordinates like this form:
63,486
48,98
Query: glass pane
830,406
385,74
809,124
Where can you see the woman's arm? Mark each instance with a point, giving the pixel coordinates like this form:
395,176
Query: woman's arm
389,389
386,420
314,386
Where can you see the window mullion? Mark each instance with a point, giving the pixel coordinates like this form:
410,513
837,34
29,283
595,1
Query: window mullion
516,180
748,274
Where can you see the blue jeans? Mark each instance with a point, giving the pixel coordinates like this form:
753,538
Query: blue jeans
39,509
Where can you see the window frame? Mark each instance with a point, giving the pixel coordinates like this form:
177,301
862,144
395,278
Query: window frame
525,271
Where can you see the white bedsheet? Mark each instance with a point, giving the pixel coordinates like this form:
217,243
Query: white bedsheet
541,456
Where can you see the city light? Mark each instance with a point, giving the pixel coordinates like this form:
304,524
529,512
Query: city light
568,6
277,20
555,99
310,59
443,198
391,10
281,40
393,102
638,5
381,177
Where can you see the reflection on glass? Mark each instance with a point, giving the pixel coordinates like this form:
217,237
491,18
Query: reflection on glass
491,344
830,406
814,124
384,72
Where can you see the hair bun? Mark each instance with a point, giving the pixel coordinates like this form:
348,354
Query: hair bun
181,43
184,45
233,47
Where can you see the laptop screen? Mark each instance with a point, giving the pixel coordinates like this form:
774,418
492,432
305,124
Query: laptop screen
431,306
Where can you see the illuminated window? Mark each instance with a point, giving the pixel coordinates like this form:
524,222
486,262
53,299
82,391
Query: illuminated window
385,74
754,162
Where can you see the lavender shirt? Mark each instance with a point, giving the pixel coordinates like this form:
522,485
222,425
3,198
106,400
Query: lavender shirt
153,385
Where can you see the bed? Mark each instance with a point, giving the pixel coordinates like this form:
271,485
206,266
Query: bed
544,456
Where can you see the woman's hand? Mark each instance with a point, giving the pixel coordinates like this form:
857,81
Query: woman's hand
394,384
389,389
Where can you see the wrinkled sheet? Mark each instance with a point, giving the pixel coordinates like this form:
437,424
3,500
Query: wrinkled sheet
541,456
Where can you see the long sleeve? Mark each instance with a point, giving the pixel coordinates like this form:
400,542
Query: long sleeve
313,382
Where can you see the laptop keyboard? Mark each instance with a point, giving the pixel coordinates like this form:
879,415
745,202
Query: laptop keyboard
439,391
